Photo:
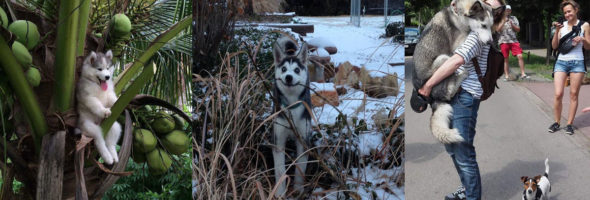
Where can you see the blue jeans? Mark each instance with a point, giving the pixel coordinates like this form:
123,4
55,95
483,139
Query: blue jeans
464,118
575,66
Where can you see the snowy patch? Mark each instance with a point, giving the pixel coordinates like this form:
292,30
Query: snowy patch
360,46
322,86
321,42
369,142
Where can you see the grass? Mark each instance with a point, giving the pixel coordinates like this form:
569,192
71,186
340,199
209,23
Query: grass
534,63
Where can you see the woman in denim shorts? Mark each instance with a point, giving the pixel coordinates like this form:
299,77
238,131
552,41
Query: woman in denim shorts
570,64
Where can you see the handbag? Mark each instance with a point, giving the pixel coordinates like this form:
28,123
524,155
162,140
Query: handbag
565,43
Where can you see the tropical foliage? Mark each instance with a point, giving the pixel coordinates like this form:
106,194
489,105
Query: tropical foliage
34,118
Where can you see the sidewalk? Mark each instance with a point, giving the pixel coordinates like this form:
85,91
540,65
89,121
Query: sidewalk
545,91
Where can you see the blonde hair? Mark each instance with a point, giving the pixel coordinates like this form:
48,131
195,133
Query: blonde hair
570,2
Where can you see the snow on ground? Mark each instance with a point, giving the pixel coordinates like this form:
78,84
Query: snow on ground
362,46
350,105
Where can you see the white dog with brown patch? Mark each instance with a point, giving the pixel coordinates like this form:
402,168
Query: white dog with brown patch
537,187
96,96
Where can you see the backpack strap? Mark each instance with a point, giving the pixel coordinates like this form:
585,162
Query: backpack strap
477,69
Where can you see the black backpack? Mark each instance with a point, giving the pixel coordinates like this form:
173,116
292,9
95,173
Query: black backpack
493,72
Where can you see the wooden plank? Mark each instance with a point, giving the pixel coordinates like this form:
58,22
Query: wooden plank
51,166
301,29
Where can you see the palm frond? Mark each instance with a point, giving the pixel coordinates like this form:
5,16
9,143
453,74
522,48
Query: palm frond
172,80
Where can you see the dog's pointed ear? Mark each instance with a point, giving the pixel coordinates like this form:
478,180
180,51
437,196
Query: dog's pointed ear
524,178
277,52
476,8
91,58
303,53
109,54
537,178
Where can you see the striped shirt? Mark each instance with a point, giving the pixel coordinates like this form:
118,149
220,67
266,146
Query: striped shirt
471,48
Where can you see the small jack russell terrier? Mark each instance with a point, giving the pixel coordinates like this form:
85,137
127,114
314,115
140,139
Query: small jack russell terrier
537,187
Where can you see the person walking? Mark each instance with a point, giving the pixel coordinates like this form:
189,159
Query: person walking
569,64
509,43
465,106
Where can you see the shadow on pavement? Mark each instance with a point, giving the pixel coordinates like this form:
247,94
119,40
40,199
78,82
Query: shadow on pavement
581,121
421,152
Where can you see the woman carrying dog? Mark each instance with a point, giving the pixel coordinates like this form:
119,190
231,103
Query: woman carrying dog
465,108
569,63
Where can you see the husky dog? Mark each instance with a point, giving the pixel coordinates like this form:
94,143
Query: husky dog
446,31
96,96
291,84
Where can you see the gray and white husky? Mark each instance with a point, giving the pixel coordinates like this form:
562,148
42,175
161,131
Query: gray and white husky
291,85
96,96
442,35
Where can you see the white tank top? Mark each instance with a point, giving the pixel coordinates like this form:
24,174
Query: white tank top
576,53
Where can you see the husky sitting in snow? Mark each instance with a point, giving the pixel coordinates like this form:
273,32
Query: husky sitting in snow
291,84
96,96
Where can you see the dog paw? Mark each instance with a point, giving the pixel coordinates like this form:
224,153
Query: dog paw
107,112
113,152
108,160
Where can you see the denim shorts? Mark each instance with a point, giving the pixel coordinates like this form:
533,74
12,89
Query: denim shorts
569,66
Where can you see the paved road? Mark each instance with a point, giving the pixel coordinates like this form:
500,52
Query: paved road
512,141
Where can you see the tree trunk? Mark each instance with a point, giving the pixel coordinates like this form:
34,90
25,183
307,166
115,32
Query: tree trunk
51,166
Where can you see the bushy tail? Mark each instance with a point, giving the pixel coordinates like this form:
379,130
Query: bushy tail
546,168
439,124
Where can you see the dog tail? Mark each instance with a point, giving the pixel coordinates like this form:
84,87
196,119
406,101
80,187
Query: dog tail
288,46
546,168
440,124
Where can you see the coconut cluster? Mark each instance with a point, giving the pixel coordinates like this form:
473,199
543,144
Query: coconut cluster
168,137
27,38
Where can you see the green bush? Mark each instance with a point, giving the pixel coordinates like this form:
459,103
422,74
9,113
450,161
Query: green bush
175,184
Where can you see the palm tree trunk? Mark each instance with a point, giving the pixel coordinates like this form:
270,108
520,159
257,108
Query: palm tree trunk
83,25
65,57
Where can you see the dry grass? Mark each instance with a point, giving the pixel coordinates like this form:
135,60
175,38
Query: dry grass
233,158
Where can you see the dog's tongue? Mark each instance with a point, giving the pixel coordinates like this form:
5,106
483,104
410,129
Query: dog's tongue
103,85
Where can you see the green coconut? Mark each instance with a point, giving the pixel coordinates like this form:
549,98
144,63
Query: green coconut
178,122
143,140
176,142
26,33
33,76
3,18
158,161
163,124
22,55
138,157
121,25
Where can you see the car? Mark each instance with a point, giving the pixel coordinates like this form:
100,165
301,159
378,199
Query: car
411,36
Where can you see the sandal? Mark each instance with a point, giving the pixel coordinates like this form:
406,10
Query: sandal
418,102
